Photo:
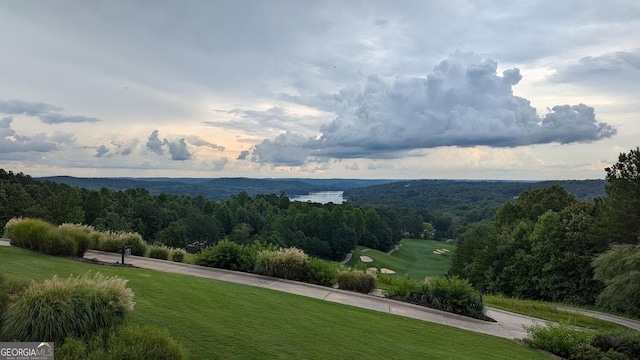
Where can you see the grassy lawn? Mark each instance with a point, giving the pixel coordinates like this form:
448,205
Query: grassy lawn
415,258
547,311
218,320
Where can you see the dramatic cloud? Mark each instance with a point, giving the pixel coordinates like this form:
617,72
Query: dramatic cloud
463,102
178,150
155,144
11,142
48,114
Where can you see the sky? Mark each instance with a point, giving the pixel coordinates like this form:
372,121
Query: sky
520,90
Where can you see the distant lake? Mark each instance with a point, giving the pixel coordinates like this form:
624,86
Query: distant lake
322,197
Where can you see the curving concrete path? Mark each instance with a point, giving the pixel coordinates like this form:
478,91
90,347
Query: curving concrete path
509,325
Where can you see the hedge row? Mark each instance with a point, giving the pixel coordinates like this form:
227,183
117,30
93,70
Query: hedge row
289,263
75,239
448,294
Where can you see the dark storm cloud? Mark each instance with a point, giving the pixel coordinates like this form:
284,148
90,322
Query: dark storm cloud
179,151
463,102
47,113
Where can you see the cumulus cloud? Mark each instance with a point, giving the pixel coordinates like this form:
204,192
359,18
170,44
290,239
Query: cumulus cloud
197,141
101,151
47,113
219,163
178,150
11,142
463,102
155,144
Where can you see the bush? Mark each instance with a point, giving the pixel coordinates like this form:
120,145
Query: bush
321,272
400,288
452,295
9,289
228,255
114,241
178,255
27,233
289,263
559,339
83,235
356,280
131,342
624,342
76,306
159,252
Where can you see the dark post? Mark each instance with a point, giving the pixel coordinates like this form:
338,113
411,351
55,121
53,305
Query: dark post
126,250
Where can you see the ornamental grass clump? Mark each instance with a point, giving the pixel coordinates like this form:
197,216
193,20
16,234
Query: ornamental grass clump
288,263
27,233
356,280
178,255
112,241
161,252
55,308
84,236
131,342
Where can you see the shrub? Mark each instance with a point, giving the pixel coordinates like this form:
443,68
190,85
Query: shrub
624,342
560,340
131,342
178,255
9,289
27,233
76,306
401,288
321,272
289,263
356,280
452,295
113,241
228,255
83,235
158,252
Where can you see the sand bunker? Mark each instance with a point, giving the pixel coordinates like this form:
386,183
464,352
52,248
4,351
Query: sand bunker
440,251
372,270
365,259
387,271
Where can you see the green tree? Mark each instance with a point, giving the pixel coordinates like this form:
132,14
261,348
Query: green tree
619,269
621,213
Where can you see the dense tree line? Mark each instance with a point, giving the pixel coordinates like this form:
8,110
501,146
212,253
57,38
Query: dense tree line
543,244
328,231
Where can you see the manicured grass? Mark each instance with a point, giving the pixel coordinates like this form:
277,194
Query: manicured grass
547,311
218,320
415,258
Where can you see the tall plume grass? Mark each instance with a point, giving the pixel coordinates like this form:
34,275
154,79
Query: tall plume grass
55,308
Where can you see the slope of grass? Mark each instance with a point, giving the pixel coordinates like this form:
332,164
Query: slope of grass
415,257
547,311
218,320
